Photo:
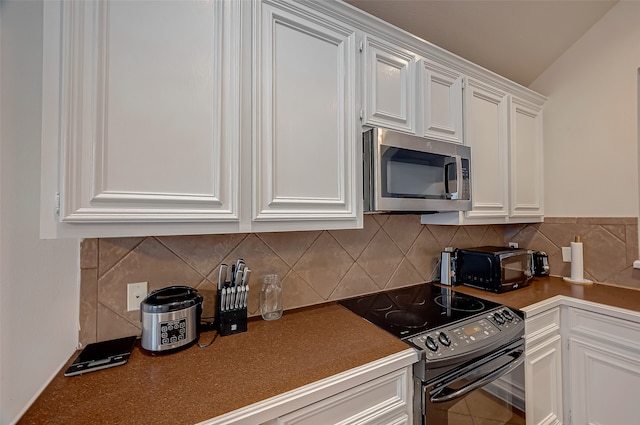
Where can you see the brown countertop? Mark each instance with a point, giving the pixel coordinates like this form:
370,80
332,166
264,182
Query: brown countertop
272,358
196,384
542,289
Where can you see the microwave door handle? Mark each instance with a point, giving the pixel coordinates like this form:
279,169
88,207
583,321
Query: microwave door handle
447,191
448,394
457,170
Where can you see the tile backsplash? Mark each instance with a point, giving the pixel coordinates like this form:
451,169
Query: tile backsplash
318,266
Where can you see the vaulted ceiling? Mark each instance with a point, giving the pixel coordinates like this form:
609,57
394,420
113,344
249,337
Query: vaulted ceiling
518,39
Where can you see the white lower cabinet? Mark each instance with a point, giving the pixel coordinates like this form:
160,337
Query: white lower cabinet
385,400
543,368
376,393
603,369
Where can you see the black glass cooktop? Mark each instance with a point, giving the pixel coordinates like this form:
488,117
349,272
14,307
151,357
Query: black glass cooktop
406,312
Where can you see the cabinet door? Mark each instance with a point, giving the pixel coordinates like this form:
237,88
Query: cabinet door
486,130
605,383
526,160
384,400
147,109
604,368
543,369
389,90
306,145
543,383
441,102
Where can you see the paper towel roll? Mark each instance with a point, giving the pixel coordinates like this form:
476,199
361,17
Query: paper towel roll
577,262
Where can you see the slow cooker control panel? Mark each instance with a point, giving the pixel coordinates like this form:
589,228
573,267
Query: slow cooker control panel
464,336
173,331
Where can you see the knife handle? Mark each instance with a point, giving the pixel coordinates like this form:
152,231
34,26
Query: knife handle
223,293
222,275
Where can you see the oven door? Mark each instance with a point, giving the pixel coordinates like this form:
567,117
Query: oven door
460,395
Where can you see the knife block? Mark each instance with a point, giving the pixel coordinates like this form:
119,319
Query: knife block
230,321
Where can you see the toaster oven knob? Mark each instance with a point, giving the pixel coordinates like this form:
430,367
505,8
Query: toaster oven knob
444,339
431,344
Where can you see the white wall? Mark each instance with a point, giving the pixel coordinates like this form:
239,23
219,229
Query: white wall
590,120
39,279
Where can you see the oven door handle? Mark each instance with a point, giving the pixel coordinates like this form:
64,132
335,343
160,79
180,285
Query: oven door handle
447,394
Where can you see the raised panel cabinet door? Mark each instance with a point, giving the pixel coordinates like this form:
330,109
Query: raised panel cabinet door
384,400
487,135
527,180
604,383
441,102
389,89
306,142
147,111
543,382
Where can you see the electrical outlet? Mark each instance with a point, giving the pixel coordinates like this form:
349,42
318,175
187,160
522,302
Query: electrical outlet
513,244
135,294
566,254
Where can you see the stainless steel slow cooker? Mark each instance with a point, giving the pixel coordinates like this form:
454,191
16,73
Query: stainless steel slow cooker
170,318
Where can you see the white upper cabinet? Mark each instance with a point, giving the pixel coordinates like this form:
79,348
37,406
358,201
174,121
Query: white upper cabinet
389,86
172,117
487,115
505,136
440,102
142,99
526,168
306,148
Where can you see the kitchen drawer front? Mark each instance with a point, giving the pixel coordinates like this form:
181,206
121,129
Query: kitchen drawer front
382,400
542,326
605,328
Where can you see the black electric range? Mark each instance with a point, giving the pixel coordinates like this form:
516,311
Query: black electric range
445,325
408,311
463,342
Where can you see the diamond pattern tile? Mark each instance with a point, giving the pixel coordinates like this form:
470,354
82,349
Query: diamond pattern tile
289,246
110,251
355,282
390,251
324,264
380,259
149,262
403,230
424,254
355,241
202,252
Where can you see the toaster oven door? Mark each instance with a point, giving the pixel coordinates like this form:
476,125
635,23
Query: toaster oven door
516,270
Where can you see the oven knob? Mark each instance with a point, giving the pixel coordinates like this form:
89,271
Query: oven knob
498,318
507,315
444,339
431,344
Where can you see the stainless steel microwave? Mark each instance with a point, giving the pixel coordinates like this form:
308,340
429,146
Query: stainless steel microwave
405,173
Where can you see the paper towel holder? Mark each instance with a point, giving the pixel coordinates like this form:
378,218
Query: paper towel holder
577,265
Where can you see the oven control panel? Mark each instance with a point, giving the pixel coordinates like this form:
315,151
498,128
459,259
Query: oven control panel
465,336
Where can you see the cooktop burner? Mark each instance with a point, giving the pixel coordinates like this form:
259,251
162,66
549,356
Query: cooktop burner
406,312
459,303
